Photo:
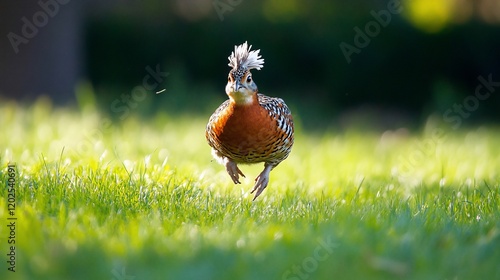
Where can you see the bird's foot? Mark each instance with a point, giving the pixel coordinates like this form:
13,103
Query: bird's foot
233,171
261,181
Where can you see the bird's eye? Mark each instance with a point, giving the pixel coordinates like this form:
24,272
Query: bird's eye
229,78
249,79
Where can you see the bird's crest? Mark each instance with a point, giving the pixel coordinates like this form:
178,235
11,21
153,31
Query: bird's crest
244,59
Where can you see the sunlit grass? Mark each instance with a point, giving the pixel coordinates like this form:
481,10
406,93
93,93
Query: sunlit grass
97,199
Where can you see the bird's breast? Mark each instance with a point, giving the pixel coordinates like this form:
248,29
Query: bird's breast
247,126
247,133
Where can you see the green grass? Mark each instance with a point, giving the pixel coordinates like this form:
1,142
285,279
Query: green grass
144,198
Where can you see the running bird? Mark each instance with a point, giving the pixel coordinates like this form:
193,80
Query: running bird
249,127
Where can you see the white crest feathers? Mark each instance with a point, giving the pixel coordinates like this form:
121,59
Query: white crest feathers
242,57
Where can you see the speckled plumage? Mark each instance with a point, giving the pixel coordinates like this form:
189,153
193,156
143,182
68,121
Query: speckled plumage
249,127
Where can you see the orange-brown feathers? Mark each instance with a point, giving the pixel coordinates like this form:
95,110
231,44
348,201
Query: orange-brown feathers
252,133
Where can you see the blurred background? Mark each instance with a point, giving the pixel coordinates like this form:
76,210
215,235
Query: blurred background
374,64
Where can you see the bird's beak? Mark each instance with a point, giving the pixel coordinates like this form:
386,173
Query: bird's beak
236,86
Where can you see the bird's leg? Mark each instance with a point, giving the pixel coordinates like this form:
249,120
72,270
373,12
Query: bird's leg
262,180
233,170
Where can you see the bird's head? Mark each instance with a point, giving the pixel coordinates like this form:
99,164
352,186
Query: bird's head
240,87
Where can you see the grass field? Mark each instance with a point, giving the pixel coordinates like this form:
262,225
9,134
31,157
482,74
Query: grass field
142,199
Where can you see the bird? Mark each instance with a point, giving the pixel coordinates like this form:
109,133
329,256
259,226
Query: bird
249,127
